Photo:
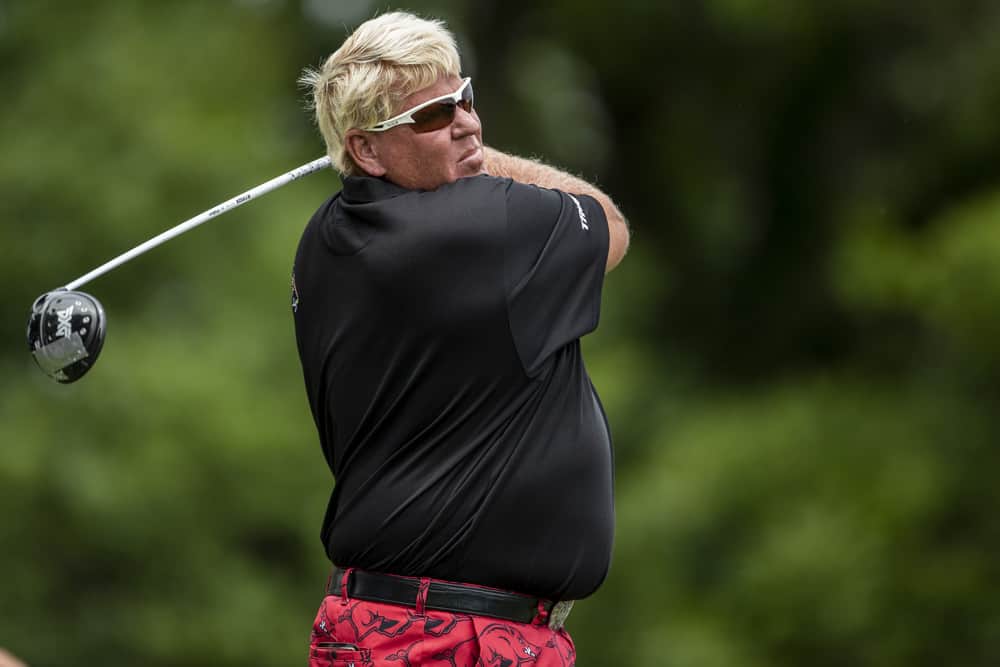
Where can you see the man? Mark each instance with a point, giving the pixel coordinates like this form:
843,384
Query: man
438,300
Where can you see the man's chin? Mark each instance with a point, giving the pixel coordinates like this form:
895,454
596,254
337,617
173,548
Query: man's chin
472,166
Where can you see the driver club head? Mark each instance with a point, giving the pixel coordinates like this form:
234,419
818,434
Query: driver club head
66,333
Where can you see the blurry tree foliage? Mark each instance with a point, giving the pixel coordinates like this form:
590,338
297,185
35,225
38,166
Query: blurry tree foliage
800,358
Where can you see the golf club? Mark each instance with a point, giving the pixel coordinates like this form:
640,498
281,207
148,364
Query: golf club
66,328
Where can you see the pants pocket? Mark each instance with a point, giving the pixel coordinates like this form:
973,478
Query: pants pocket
337,654
522,644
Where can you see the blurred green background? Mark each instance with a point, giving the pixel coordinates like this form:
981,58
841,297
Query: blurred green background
800,357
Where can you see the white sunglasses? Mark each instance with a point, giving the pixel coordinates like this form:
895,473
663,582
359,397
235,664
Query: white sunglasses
432,114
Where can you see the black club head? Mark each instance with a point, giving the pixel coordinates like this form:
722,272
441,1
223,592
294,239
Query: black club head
66,333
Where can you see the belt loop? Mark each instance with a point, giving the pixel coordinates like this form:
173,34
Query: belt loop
343,585
425,584
541,613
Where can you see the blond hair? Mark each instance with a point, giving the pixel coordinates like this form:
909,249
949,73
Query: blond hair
366,80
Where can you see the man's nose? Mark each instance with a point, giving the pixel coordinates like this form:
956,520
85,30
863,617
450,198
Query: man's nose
466,122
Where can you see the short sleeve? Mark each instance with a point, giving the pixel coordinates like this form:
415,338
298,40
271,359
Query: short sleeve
555,255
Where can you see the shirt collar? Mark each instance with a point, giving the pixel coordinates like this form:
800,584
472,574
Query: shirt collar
365,189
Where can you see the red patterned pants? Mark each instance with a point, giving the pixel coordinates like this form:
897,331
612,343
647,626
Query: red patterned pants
356,633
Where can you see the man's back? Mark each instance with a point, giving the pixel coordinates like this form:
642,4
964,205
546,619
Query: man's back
438,333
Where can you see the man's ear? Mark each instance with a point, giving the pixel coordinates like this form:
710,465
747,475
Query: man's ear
363,151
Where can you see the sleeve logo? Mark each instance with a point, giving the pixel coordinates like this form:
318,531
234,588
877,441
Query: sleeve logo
583,216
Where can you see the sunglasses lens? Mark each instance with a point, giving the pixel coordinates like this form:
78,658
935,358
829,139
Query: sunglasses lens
441,114
434,117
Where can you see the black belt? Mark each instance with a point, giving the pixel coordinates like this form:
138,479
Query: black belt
441,596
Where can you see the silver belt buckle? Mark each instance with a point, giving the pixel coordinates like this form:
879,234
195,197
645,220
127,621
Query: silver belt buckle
559,613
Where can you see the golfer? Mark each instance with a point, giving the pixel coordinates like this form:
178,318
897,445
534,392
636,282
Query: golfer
439,299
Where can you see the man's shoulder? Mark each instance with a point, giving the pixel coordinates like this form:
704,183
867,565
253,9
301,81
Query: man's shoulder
480,197
524,198
324,210
476,185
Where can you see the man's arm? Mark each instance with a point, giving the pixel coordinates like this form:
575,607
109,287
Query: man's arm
542,175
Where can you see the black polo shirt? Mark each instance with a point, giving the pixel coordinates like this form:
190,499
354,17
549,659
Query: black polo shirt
439,338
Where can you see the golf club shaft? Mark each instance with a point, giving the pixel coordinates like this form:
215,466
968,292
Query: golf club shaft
219,209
